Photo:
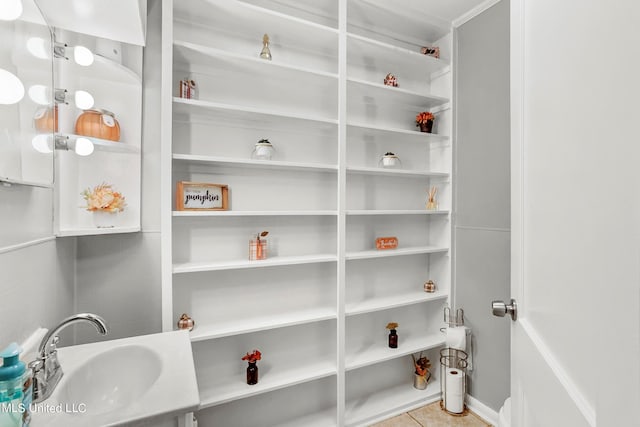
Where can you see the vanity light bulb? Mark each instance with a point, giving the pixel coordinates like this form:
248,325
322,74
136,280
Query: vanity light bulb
41,143
83,100
38,47
84,147
11,88
10,10
39,94
82,56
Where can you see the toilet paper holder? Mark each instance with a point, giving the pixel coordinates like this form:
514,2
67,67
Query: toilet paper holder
453,321
453,381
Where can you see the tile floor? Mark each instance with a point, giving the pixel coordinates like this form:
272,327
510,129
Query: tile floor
432,416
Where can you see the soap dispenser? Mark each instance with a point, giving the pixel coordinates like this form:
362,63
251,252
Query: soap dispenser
15,389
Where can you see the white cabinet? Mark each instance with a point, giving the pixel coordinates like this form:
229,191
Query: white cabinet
317,307
115,85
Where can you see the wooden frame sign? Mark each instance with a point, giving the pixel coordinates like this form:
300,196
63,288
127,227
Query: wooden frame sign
200,196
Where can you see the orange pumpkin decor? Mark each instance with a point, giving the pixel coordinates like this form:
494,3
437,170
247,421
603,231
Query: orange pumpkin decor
98,124
46,119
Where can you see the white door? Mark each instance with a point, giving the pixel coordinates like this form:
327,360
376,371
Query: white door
575,120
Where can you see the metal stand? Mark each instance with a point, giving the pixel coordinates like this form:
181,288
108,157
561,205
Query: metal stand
453,363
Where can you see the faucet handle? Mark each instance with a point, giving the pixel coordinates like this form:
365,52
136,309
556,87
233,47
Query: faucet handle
53,346
36,365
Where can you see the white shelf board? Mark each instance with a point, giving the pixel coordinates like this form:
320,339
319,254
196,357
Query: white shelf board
381,94
397,172
388,302
182,105
196,214
6,181
196,54
266,164
380,351
233,388
362,410
105,144
121,20
394,132
395,212
362,49
412,23
90,231
375,253
103,69
192,267
251,22
319,419
254,324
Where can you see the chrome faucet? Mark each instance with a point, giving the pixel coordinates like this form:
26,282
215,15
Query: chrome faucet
46,368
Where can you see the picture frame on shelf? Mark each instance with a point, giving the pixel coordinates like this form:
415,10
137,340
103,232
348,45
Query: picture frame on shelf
201,196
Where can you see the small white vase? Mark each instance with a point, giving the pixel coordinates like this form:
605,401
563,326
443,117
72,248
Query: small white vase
105,219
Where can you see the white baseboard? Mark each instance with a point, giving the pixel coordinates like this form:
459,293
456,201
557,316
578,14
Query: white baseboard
482,410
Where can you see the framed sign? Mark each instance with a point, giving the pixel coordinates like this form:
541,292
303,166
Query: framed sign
386,242
200,196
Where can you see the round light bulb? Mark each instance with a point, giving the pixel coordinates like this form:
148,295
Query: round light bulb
10,10
11,88
82,56
84,147
38,47
41,144
39,94
83,100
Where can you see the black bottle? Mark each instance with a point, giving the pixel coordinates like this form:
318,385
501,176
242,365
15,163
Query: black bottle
252,373
393,339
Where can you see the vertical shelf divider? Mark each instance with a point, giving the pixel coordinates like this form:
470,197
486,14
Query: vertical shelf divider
341,394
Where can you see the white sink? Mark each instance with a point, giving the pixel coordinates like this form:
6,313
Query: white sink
111,380
122,381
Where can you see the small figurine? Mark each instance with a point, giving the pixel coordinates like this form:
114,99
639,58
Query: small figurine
390,80
266,52
186,322
430,286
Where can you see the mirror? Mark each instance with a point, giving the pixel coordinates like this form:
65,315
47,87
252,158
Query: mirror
28,116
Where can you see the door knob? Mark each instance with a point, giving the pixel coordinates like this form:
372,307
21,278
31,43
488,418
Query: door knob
500,309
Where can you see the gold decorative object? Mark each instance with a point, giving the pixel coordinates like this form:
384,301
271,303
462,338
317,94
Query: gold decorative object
266,52
430,286
186,322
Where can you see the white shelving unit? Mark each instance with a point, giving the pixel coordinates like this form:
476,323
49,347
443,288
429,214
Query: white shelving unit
317,307
242,264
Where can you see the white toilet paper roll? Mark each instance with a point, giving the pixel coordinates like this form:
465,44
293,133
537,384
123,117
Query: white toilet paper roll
454,381
457,338
454,403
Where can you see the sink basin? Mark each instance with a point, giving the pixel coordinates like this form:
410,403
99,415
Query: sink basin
112,379
132,381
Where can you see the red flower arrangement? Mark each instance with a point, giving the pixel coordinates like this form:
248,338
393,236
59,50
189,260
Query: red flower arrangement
252,357
424,117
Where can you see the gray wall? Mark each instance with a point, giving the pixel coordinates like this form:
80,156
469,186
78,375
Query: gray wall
36,289
118,276
482,225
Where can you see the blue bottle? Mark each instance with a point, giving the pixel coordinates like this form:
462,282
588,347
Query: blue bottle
15,389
